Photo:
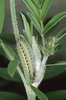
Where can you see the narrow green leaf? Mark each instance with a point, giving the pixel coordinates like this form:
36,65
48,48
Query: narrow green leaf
11,55
4,74
42,2
1,14
45,8
56,64
61,34
57,95
54,21
36,2
11,96
39,94
32,7
35,22
12,66
55,69
27,29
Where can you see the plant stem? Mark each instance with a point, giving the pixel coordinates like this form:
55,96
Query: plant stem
30,94
14,20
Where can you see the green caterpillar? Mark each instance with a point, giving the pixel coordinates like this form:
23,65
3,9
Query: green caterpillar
26,58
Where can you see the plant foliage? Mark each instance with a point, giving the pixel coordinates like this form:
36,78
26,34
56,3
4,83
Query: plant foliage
31,55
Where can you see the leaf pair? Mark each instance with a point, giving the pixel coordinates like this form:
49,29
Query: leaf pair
43,12
35,22
45,7
32,7
36,2
54,21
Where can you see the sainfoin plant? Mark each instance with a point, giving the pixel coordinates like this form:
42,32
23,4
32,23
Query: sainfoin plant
33,48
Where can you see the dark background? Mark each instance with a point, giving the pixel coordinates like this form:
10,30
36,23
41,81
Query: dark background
56,83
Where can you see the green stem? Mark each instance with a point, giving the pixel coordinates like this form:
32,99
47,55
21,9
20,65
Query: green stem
30,94
42,26
21,75
14,20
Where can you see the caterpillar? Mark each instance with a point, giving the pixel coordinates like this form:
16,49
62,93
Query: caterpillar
26,58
